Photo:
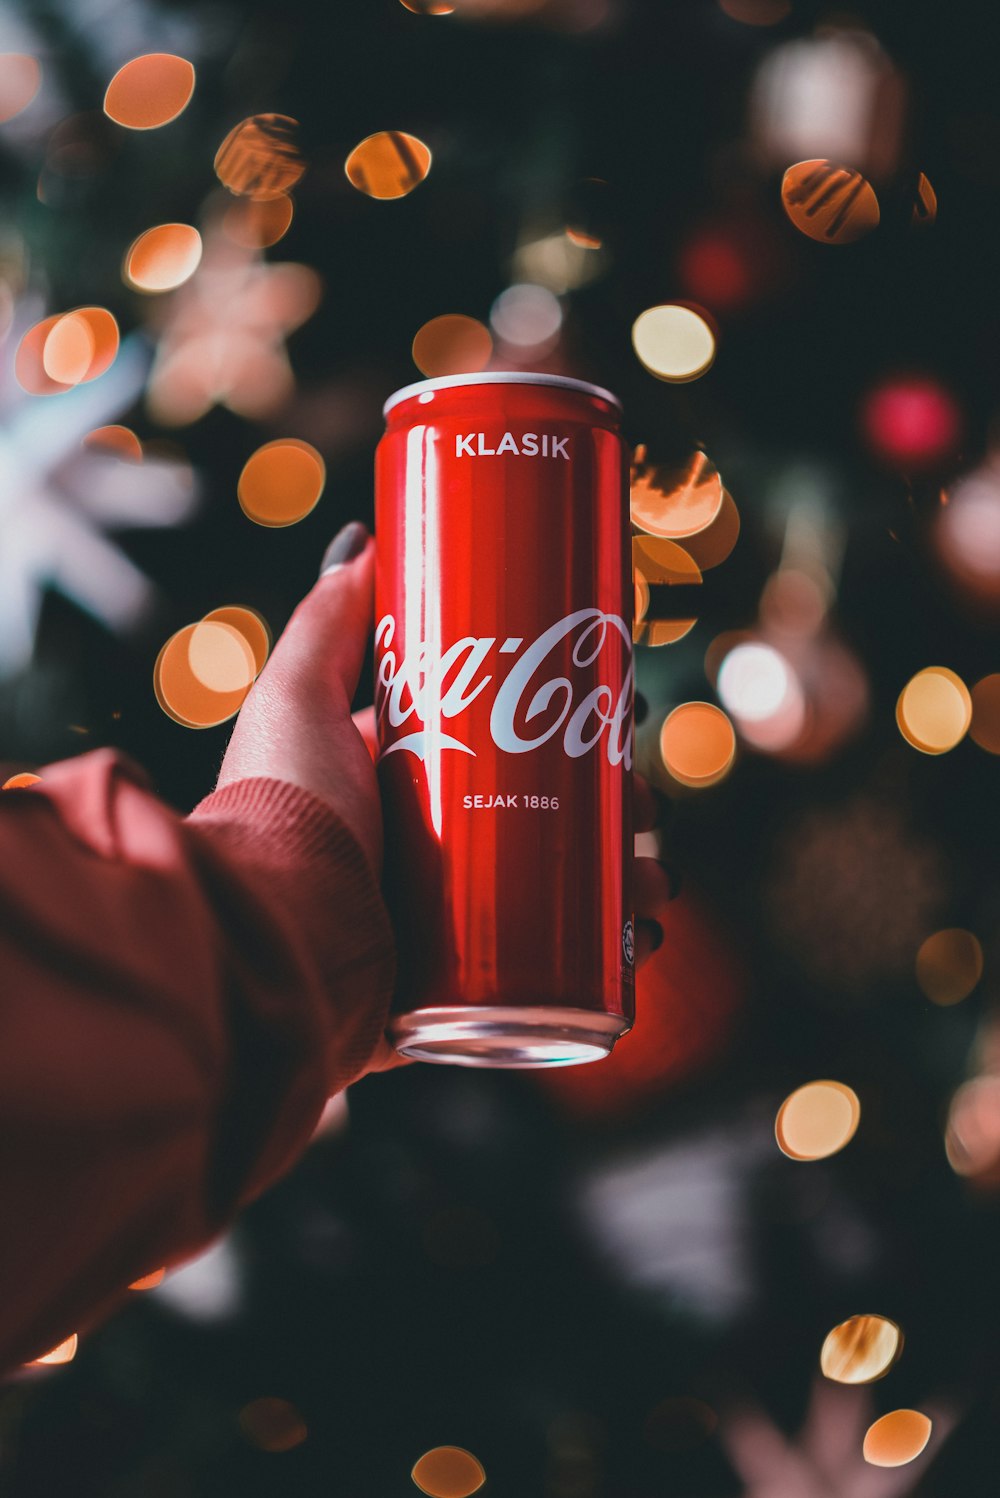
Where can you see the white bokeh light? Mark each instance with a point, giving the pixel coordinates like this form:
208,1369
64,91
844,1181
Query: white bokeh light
527,317
754,682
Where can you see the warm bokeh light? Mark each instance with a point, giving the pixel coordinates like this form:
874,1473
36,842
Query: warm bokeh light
830,203
29,368
817,1120
149,1281
697,745
861,1350
897,1438
527,318
20,782
754,682
949,965
972,1138
663,562
251,625
968,534
150,91
20,80
911,422
260,157
163,257
673,342
448,1472
710,547
676,501
114,442
272,1424
756,12
256,223
428,7
65,1352
68,350
925,203
281,482
220,657
388,164
452,344
180,693
934,710
985,727
104,330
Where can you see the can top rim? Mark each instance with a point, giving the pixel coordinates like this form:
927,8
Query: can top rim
498,377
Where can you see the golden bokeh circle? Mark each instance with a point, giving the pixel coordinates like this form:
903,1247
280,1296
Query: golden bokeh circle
897,1438
817,1120
673,342
949,965
83,324
388,164
697,744
984,729
260,158
677,500
180,693
452,344
162,258
106,337
272,1424
20,80
29,367
710,547
281,482
934,710
830,203
860,1350
220,657
150,91
68,350
448,1472
114,442
251,625
257,223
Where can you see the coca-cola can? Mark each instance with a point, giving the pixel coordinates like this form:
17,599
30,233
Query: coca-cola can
503,697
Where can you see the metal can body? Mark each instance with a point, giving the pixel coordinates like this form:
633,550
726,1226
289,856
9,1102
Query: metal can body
503,665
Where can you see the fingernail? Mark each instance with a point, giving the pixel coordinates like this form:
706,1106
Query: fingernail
345,546
655,933
674,879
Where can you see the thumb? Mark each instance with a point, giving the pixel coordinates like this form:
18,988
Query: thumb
328,633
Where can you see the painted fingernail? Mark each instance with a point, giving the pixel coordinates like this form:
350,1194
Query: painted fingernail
345,546
655,931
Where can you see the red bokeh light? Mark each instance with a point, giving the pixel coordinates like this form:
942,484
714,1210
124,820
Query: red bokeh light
911,422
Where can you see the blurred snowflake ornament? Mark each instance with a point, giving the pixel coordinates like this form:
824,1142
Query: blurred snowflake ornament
57,500
223,342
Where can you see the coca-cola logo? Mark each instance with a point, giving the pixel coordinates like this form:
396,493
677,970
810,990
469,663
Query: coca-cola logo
430,685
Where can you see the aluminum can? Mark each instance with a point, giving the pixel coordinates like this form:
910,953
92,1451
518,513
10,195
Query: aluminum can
503,697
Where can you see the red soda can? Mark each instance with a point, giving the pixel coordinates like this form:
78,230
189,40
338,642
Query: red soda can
503,699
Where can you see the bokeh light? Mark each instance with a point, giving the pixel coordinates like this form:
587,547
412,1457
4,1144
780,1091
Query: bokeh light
251,625
817,1120
829,203
428,7
756,12
972,1137
388,164
162,257
985,727
949,965
150,91
452,344
20,782
257,223
272,1424
710,548
968,534
860,1350
83,346
65,1352
925,203
663,562
911,422
673,342
676,501
20,80
149,1281
260,158
114,442
753,681
934,710
281,482
697,745
222,655
527,318
68,350
897,1438
448,1472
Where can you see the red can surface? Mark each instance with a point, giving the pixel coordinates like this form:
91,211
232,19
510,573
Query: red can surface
503,697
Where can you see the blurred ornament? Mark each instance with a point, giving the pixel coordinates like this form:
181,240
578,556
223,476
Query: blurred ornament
451,344
949,965
162,258
985,727
817,1120
272,1425
388,164
934,710
281,482
674,342
833,204
911,422
967,535
223,342
834,96
861,1350
676,500
697,745
897,1438
149,91
259,158
56,498
20,80
688,996
448,1472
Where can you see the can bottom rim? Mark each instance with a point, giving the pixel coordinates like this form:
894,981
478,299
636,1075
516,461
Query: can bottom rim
522,1037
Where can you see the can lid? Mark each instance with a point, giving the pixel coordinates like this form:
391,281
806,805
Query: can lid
498,377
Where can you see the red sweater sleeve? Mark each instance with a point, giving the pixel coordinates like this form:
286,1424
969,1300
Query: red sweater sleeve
177,1000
